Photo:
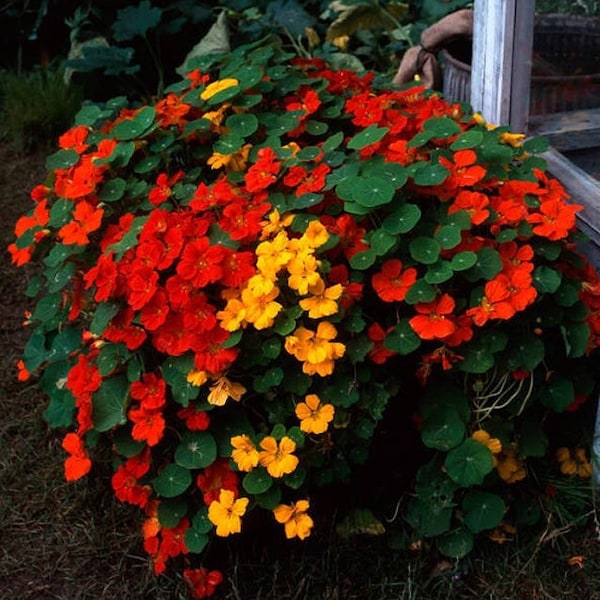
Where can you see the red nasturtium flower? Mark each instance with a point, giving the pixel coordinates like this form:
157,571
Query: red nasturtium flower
435,319
217,477
201,582
78,463
392,283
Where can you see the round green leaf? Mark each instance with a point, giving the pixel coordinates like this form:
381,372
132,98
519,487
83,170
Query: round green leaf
228,144
368,136
109,403
269,499
429,518
576,336
546,280
477,358
469,463
439,272
171,511
469,139
381,241
196,450
257,481
463,260
448,236
172,481
373,191
526,351
363,260
457,543
424,250
316,127
195,541
482,510
201,522
402,339
431,175
403,219
420,291
443,430
125,444
442,127
62,159
242,125
558,393
135,127
488,265
113,190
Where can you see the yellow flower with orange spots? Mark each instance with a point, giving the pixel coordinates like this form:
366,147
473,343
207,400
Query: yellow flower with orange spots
314,416
294,518
226,513
276,457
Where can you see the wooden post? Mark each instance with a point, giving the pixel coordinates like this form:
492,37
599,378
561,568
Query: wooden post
501,64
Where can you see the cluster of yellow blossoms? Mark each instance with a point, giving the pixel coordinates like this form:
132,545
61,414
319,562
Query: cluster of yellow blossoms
257,301
510,468
278,459
574,462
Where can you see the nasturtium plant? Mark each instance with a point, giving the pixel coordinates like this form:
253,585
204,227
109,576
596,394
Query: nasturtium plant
242,281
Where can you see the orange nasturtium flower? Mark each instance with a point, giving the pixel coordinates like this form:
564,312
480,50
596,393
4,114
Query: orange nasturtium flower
314,416
277,458
244,454
433,321
294,518
226,513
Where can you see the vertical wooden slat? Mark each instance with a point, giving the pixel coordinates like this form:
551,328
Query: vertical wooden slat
501,64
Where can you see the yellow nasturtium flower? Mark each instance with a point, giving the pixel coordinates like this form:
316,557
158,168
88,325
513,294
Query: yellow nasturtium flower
322,301
574,462
494,444
510,468
217,86
244,454
226,512
314,416
277,458
223,389
294,518
197,378
316,234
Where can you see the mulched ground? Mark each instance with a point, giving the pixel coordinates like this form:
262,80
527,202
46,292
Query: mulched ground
59,540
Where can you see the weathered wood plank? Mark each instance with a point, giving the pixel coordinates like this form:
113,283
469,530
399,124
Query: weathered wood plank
501,65
573,130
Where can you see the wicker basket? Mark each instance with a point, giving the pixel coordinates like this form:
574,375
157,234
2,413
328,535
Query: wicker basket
565,70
